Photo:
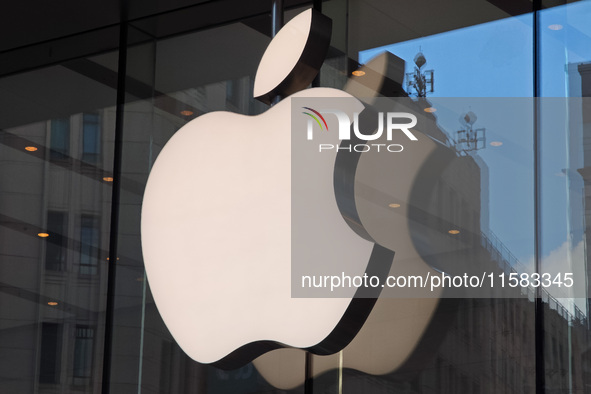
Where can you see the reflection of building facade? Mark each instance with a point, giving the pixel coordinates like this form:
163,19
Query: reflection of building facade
580,162
54,288
55,232
56,296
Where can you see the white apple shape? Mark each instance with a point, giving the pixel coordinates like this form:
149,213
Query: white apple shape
216,235
216,232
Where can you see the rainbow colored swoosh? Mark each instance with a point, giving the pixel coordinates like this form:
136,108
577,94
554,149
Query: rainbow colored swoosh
315,118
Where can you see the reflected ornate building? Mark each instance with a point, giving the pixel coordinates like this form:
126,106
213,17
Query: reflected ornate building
55,198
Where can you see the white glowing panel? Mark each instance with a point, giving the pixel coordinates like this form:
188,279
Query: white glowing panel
216,234
283,53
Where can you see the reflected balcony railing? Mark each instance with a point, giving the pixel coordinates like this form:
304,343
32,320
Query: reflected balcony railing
508,263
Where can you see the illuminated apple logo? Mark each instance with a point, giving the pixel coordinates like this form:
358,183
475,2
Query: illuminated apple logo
216,222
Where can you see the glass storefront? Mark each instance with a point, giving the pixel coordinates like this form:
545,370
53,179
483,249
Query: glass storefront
85,116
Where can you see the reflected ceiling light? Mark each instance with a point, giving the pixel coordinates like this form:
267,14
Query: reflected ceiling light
186,113
43,235
52,303
496,143
555,27
430,109
140,279
109,258
108,179
31,148
358,73
454,232
394,205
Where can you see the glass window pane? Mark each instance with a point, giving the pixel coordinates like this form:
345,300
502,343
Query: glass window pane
91,138
89,244
60,139
50,358
57,241
83,352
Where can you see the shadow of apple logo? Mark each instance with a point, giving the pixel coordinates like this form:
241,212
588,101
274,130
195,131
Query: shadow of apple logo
377,193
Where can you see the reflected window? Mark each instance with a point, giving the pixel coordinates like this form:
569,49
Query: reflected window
91,138
233,94
83,352
59,139
55,251
50,360
89,244
166,371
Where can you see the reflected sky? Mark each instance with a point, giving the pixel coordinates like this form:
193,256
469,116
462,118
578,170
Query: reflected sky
496,60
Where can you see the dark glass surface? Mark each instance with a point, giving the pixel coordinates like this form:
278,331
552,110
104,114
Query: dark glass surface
55,200
55,208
